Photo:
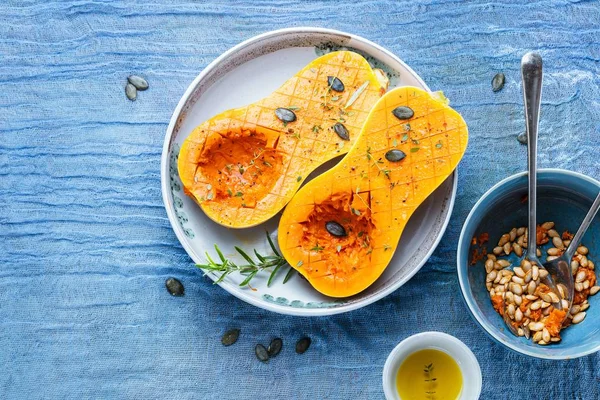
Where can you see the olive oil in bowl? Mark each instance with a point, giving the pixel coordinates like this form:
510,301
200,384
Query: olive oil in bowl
429,374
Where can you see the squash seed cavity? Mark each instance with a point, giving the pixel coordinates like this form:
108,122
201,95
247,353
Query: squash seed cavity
395,155
285,114
403,112
335,84
335,229
341,131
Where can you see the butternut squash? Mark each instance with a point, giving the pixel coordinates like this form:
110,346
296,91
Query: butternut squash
243,166
342,228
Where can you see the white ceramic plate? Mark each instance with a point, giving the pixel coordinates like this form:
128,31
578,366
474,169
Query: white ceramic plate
244,74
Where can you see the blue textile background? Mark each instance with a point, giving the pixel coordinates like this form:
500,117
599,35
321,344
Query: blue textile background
86,245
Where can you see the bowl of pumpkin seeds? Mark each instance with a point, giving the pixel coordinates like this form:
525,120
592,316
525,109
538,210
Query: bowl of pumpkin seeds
494,278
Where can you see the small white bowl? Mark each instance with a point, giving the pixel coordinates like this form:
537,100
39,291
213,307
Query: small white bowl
465,358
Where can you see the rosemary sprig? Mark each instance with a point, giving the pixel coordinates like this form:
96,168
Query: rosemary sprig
224,266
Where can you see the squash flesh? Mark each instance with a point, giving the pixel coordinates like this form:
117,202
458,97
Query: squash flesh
244,165
371,197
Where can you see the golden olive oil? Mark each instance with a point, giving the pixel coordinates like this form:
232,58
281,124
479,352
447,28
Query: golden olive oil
429,375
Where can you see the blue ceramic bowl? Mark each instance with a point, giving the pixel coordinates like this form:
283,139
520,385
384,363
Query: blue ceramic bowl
563,197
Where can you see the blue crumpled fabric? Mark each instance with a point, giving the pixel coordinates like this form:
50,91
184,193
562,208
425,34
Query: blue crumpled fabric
86,246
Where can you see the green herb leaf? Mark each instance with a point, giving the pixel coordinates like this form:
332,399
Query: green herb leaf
272,245
272,276
246,256
414,149
289,274
298,179
221,256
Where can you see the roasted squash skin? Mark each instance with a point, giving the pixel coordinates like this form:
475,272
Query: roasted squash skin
370,196
244,165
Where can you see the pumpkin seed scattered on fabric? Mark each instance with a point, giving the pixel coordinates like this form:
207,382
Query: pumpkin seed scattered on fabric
285,115
230,337
275,347
261,353
498,82
335,84
522,138
395,155
341,131
335,229
137,81
302,345
130,92
403,112
175,287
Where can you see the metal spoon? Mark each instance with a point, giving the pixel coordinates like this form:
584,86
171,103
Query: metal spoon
531,75
560,267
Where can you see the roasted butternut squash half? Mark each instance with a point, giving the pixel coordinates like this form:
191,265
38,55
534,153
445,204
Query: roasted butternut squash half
244,165
342,228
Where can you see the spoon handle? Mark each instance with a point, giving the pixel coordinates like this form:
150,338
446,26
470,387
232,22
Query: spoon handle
583,228
531,74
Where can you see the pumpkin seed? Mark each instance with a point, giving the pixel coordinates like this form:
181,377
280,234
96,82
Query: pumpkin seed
284,114
395,155
580,277
335,84
335,229
139,82
582,250
403,112
594,290
536,326
261,353
498,82
302,345
548,225
175,287
130,92
552,233
341,131
577,318
230,337
275,347
503,239
558,243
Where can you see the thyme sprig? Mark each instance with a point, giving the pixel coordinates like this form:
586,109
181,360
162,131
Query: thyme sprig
225,266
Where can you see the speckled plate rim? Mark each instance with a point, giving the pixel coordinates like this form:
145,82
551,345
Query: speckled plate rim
463,280
168,201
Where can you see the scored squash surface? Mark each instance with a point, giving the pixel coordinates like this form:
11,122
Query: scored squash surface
342,228
243,166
